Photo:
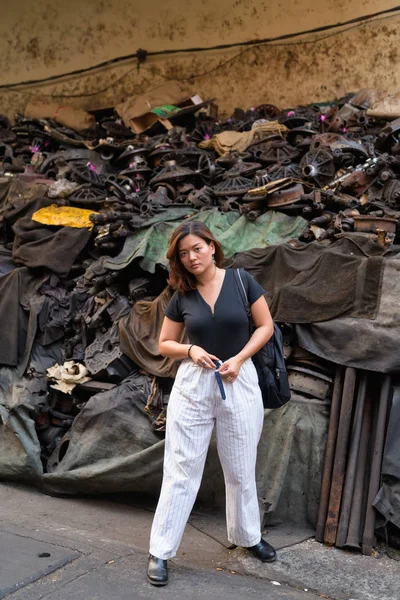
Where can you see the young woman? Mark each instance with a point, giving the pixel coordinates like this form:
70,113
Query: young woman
216,384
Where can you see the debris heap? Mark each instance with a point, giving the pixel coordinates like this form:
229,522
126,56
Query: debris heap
70,198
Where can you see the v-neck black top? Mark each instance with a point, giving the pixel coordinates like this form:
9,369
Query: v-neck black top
225,332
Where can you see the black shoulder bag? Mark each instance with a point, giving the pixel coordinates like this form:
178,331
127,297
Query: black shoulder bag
269,361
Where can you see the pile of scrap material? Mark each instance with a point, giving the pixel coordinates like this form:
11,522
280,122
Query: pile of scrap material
333,164
79,194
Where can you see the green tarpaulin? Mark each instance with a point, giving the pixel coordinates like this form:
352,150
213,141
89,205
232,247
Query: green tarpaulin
236,234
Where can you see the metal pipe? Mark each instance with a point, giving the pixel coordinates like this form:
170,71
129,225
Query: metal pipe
361,481
330,452
349,482
368,540
340,456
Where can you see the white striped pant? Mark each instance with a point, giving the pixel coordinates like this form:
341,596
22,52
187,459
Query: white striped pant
194,406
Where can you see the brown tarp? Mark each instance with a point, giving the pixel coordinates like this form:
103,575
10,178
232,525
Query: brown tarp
361,343
139,333
318,282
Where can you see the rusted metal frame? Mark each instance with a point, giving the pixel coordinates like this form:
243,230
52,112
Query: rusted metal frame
348,489
361,480
330,452
368,540
340,456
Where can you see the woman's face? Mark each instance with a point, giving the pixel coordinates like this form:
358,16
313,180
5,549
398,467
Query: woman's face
195,254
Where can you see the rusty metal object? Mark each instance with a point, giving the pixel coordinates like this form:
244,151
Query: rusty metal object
357,182
58,454
208,171
267,111
102,352
137,165
339,465
131,153
339,146
324,220
87,194
388,136
273,152
352,463
309,382
354,533
302,357
358,119
368,539
280,170
331,121
330,452
293,119
340,200
233,185
325,139
357,179
231,204
301,137
242,168
318,165
188,156
231,158
374,224
172,173
285,196
271,186
383,239
108,234
261,178
155,156
204,130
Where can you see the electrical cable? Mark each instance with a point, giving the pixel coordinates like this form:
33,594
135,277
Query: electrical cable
299,43
141,54
214,69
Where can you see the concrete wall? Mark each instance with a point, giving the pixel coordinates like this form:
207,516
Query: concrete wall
42,38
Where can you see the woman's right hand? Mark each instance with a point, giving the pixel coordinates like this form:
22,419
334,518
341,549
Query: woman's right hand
202,358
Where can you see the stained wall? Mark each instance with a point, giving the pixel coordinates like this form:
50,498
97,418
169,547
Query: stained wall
44,39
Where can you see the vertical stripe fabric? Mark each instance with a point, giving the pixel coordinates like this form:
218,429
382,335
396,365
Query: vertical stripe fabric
194,407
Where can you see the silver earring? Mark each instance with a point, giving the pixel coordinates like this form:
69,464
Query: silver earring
213,258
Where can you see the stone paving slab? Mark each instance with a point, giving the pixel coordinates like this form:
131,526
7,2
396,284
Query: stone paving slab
335,573
24,559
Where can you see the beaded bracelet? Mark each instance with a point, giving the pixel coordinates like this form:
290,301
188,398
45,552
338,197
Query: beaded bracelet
190,350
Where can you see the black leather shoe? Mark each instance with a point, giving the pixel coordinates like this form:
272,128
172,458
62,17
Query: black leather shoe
263,551
157,571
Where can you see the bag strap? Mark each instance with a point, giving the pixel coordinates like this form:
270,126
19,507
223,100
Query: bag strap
243,295
242,290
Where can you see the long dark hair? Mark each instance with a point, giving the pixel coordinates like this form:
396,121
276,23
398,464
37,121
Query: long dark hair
180,279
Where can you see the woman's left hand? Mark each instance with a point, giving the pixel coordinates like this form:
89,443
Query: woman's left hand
230,369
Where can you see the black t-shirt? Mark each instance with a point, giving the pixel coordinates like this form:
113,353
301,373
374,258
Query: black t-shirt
225,332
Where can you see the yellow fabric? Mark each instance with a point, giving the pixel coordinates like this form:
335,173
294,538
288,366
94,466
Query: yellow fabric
68,216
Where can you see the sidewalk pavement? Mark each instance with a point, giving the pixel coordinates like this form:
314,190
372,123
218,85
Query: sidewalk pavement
95,548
